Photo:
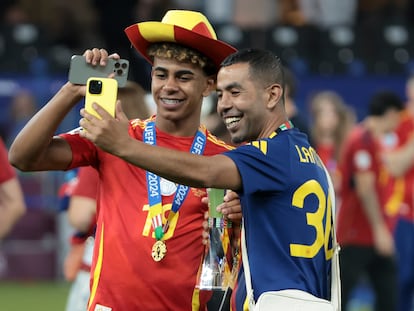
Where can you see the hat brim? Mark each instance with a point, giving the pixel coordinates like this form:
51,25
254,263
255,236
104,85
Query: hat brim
141,35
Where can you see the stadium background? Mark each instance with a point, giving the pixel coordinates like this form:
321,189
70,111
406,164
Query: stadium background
374,50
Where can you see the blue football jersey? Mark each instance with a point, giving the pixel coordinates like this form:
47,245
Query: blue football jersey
287,216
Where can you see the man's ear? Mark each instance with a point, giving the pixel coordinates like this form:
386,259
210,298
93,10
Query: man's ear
210,87
275,93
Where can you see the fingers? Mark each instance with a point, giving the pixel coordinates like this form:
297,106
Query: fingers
204,200
96,56
114,56
86,122
205,233
231,207
230,196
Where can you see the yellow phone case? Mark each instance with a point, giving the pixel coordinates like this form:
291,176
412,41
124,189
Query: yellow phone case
104,92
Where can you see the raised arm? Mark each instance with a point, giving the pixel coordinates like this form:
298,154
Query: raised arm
36,148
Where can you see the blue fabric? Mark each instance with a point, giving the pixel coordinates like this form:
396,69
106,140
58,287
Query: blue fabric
404,242
275,173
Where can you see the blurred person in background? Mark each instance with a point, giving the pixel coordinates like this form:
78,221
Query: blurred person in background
292,110
364,231
139,253
399,160
331,121
12,204
81,193
255,17
318,13
23,106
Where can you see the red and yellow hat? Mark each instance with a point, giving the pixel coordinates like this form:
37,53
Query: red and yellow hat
189,28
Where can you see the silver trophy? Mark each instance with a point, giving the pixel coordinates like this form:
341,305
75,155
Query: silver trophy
214,273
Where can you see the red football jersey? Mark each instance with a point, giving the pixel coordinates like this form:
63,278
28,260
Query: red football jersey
401,198
361,153
124,274
6,172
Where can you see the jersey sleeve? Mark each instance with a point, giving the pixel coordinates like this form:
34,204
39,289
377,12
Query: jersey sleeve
362,155
258,171
84,152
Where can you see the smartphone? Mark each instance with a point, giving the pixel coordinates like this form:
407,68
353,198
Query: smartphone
104,92
80,71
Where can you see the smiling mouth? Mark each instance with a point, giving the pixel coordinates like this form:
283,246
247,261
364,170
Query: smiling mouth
231,122
171,102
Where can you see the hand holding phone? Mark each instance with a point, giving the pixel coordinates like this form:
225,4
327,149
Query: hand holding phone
102,91
80,71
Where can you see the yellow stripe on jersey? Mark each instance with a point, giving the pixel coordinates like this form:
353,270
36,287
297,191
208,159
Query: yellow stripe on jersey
195,300
246,304
228,280
97,271
215,140
392,206
261,145
141,123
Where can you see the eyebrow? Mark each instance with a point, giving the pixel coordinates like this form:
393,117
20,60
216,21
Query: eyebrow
230,86
177,73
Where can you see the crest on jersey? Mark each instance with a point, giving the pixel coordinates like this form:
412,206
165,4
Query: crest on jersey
362,160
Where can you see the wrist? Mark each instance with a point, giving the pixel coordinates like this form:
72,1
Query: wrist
71,91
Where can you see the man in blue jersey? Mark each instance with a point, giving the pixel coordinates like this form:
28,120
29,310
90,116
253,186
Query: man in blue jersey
281,182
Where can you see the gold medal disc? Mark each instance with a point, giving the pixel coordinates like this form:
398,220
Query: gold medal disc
159,249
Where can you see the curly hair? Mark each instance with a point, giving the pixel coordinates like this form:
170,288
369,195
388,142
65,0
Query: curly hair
182,53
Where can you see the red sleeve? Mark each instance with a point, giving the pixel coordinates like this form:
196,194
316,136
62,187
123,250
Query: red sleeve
6,172
363,153
405,128
84,152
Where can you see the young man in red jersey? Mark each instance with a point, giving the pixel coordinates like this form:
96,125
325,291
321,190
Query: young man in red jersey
148,246
399,160
364,231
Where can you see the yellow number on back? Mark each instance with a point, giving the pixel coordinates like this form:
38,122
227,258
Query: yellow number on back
315,219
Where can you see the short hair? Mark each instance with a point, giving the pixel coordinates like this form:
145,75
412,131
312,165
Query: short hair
181,53
264,66
383,101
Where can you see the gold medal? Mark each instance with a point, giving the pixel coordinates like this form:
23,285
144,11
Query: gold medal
159,249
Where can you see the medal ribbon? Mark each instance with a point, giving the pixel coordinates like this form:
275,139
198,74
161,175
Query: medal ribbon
153,183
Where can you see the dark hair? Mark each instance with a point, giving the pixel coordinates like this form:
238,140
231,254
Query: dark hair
264,66
181,53
383,101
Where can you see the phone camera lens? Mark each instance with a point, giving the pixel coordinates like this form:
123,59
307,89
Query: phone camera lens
95,87
124,65
120,72
117,65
